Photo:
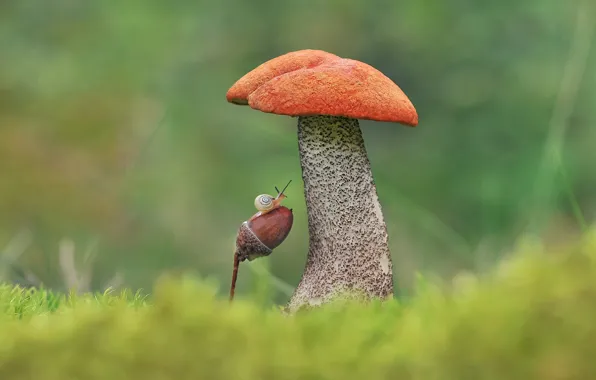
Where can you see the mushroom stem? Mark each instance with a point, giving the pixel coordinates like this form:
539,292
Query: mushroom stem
348,243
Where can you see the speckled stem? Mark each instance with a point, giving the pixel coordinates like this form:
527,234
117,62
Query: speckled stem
348,247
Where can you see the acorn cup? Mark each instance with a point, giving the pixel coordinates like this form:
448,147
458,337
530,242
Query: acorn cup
263,232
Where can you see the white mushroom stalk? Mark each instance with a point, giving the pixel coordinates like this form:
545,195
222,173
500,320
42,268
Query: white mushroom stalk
348,245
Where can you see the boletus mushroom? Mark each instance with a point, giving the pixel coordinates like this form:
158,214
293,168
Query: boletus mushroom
348,243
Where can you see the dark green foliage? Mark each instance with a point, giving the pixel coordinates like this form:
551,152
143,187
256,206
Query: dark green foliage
532,318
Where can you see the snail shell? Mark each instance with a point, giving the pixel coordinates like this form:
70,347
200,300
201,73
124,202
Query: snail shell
259,236
264,202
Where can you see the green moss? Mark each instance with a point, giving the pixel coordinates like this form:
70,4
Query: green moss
17,302
534,317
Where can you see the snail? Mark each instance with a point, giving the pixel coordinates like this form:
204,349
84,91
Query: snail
263,232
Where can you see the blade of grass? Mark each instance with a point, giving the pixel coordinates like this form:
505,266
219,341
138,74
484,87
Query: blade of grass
261,271
571,81
575,207
433,224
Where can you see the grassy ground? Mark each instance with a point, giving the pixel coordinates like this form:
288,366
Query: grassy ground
532,318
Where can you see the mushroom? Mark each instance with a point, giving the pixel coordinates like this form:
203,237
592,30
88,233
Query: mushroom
348,244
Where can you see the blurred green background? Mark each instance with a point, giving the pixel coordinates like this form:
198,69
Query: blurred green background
118,148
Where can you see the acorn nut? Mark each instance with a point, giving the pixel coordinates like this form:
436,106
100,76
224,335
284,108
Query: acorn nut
259,236
263,232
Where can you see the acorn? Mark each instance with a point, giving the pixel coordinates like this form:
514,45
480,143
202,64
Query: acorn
263,232
258,237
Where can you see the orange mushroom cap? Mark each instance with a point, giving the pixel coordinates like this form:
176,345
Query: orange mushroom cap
314,82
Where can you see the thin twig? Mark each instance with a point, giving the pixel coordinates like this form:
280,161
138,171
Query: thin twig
66,259
234,275
86,273
13,251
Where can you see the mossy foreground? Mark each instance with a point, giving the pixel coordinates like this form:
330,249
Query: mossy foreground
533,318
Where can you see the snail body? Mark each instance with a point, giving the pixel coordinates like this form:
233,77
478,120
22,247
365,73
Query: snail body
265,203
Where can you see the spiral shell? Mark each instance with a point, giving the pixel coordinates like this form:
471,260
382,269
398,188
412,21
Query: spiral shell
264,202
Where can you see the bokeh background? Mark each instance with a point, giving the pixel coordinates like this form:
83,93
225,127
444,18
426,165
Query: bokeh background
121,160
